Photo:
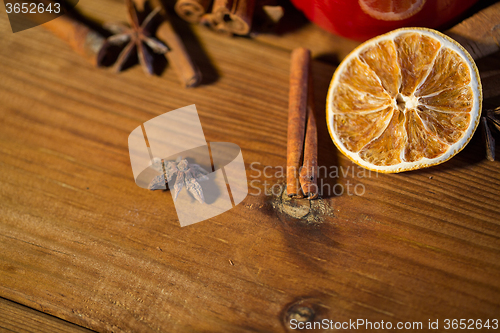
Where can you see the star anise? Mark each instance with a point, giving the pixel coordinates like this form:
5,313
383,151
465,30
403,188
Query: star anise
487,120
136,37
186,174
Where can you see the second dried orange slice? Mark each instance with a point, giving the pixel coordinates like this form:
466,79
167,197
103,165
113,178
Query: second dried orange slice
391,10
405,100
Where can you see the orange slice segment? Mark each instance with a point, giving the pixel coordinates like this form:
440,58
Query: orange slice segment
415,55
382,58
404,100
356,130
387,148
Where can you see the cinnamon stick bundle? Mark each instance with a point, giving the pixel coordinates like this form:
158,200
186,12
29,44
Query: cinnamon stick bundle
220,12
233,16
301,153
192,10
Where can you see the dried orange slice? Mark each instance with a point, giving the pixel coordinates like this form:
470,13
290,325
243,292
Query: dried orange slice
405,100
391,10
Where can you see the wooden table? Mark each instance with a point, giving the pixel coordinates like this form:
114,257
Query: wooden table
79,240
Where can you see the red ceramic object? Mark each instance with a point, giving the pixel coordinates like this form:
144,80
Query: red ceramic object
364,19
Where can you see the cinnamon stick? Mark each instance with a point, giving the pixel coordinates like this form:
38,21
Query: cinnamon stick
187,72
209,20
234,16
82,38
240,22
221,11
191,10
297,106
309,171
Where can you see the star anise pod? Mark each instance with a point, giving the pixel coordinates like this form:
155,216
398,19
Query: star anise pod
186,174
138,37
491,118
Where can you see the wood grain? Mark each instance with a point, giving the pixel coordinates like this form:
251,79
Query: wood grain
479,34
80,241
17,318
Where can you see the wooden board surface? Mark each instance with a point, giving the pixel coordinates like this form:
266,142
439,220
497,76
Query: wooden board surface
82,242
18,318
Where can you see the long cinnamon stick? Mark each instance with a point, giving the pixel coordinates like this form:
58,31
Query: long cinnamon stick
187,72
191,10
309,171
299,76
